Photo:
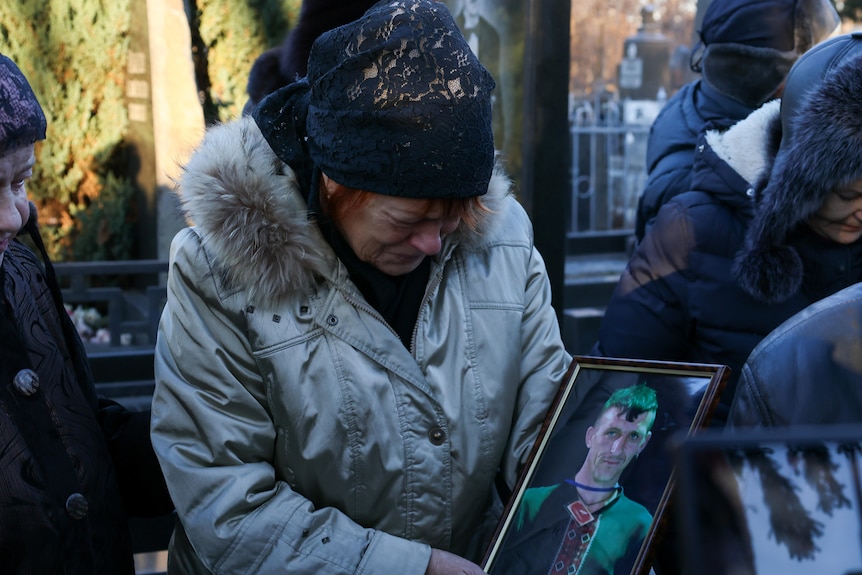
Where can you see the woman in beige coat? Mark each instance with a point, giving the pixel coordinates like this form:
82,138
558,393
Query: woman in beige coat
358,336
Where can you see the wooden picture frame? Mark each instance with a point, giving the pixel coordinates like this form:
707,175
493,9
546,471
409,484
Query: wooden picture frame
537,530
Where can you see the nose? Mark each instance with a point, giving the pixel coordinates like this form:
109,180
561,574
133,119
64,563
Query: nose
10,217
618,445
427,238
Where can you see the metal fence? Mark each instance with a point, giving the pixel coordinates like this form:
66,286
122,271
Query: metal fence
609,161
130,303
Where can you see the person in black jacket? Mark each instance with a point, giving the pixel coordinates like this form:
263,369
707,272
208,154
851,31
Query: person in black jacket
773,224
808,371
745,52
73,466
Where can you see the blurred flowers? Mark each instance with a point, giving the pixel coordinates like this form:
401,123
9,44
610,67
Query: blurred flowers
91,325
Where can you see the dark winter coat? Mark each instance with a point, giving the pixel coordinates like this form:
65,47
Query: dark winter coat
672,140
679,299
808,371
61,508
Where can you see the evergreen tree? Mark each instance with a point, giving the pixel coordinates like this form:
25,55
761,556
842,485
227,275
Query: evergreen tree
227,37
74,54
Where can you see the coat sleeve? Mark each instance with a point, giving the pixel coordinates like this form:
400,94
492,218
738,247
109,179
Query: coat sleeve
544,362
670,154
748,409
215,439
648,314
662,186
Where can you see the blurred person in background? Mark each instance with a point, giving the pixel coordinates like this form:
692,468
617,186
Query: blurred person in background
746,50
288,62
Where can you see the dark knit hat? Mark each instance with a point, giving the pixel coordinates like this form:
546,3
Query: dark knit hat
820,151
22,121
397,104
750,45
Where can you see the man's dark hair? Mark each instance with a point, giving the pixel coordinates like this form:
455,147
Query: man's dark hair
633,401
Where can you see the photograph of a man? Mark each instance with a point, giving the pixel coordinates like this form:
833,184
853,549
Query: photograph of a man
586,524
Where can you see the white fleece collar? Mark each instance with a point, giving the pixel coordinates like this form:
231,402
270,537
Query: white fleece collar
744,145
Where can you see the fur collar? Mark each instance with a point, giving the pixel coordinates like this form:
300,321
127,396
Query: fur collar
247,206
749,146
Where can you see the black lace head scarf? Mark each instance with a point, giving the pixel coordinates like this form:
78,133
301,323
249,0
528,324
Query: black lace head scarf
394,103
22,121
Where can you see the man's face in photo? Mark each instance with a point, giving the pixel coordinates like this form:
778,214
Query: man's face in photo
613,442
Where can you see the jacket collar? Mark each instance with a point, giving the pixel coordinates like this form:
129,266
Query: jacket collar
730,163
745,146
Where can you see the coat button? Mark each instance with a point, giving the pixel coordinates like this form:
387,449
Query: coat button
436,435
76,506
26,382
332,320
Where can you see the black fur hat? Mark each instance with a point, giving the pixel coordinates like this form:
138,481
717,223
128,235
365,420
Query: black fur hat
820,151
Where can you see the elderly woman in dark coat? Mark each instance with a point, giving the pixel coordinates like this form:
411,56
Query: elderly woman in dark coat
72,466
772,225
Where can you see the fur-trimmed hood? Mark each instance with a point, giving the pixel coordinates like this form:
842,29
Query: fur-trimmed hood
824,154
248,207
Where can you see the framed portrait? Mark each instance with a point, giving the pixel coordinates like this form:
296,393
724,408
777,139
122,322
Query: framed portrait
592,495
778,500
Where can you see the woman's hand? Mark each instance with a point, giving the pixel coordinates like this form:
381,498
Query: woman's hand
445,563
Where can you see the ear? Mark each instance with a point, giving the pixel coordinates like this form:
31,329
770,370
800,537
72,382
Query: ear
333,187
589,438
645,441
329,185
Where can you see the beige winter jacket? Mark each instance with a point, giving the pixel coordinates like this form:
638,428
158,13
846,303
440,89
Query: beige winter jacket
296,432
